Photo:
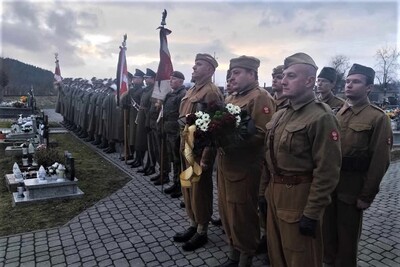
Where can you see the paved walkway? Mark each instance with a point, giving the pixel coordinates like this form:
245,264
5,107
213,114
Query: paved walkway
135,225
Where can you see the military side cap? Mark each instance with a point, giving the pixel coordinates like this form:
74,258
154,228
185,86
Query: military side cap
178,74
130,75
328,73
138,73
208,58
245,62
150,73
299,58
277,70
360,69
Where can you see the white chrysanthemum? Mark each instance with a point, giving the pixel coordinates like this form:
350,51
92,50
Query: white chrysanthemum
199,122
199,114
229,106
205,116
204,127
236,109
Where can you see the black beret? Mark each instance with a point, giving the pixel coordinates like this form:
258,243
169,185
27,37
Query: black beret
328,73
130,75
178,74
150,73
138,73
360,69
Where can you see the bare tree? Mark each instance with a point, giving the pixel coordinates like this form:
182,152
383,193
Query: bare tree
341,64
387,59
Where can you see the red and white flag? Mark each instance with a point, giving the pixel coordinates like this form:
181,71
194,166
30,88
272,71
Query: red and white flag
122,72
57,72
162,86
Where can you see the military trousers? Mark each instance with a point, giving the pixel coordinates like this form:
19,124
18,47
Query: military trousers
341,233
199,198
286,246
238,185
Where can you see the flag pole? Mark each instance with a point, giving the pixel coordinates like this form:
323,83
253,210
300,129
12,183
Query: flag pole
163,23
118,102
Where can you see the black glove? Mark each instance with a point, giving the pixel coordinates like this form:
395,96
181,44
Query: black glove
307,226
262,205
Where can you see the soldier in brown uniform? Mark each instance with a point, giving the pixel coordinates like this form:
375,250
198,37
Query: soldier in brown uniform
277,76
325,84
303,156
281,101
199,197
240,164
366,138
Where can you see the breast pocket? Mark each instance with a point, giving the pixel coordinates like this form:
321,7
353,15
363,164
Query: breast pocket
294,139
359,134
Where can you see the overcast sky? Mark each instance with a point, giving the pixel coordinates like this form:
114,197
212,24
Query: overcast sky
87,34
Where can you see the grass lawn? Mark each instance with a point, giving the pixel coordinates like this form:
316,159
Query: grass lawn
97,179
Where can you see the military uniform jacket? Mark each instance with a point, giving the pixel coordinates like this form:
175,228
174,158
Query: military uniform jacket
171,110
196,99
281,102
305,141
333,101
366,137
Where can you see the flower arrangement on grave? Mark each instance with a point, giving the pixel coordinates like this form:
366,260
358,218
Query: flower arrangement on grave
393,113
56,169
23,99
47,156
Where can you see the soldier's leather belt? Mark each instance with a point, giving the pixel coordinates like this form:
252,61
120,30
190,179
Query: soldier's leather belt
292,180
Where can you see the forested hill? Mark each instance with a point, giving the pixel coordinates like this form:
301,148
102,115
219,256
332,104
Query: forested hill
22,76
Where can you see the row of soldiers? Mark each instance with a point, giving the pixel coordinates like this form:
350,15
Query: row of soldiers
91,110
304,176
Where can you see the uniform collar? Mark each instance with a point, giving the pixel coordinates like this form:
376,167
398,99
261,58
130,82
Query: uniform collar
357,108
305,102
248,88
328,97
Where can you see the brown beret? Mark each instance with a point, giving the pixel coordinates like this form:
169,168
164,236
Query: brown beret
299,58
245,62
208,58
360,69
178,74
277,70
328,73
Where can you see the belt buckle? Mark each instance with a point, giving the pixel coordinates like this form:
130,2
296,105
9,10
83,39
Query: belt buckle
288,186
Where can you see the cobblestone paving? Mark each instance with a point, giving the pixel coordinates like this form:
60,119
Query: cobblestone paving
135,225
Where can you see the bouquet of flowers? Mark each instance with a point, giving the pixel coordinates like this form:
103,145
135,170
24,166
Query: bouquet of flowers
220,126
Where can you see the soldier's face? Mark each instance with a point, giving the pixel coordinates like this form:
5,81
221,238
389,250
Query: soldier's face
175,83
149,80
297,81
240,79
137,80
356,87
277,82
324,86
201,69
229,89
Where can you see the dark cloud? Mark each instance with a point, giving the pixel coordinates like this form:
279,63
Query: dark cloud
22,11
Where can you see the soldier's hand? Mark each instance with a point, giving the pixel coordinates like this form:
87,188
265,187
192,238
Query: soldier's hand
307,226
362,205
262,205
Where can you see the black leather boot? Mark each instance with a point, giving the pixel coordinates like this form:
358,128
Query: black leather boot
185,235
